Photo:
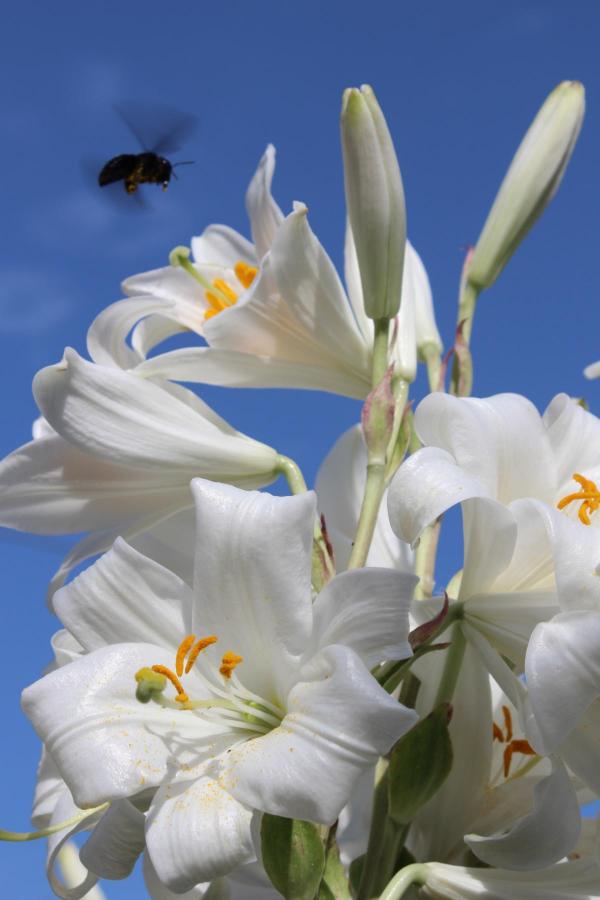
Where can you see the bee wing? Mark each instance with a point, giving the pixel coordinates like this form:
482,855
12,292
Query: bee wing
157,128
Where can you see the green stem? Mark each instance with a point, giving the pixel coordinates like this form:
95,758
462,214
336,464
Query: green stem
413,874
466,314
293,475
374,488
452,667
433,361
381,341
370,869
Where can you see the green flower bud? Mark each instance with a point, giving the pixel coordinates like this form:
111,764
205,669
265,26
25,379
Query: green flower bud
375,201
530,183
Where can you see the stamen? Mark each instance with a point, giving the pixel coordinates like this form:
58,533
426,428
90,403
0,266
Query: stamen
202,644
497,733
182,652
517,746
507,723
229,662
181,697
245,273
589,495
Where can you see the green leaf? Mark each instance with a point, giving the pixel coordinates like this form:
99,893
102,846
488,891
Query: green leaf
419,764
293,856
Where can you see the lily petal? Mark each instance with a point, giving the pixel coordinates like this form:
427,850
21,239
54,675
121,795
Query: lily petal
105,743
574,435
222,246
339,722
548,833
252,578
209,890
116,842
367,610
125,597
196,832
263,212
66,809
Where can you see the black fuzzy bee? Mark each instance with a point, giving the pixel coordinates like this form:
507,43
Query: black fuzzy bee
151,166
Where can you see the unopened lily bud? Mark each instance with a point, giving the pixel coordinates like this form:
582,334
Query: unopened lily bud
530,183
375,201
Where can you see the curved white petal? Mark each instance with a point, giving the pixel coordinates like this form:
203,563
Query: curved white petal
354,285
563,673
105,743
416,280
49,787
209,890
66,809
574,435
221,245
170,284
500,441
116,842
171,543
593,370
296,310
548,833
107,335
131,421
427,484
340,486
367,610
51,487
338,722
580,750
252,578
490,534
263,212
153,330
578,880
231,368
125,597
196,831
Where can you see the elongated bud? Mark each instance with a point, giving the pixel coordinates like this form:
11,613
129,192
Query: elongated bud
531,181
375,201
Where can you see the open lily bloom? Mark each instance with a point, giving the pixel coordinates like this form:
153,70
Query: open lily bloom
117,455
282,718
274,314
498,447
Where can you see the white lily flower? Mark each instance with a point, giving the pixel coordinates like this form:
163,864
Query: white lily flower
499,447
289,736
277,316
593,370
118,456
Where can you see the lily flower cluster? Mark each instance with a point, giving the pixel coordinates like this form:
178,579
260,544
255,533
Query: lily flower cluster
267,696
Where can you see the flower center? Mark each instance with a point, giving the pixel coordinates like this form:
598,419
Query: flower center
223,294
226,701
589,495
513,745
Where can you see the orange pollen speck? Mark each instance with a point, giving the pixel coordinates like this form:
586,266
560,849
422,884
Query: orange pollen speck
202,644
245,273
229,662
182,652
181,697
589,496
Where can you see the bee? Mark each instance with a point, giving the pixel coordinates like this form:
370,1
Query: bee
151,166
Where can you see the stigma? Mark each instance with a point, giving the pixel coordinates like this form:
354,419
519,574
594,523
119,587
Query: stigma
589,497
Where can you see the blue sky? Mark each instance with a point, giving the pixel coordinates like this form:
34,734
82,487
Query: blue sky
459,83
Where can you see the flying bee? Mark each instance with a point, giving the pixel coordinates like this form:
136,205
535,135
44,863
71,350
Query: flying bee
151,166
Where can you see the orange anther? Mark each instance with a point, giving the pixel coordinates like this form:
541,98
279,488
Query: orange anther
202,644
229,662
245,273
181,697
497,733
517,746
589,496
507,723
182,652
